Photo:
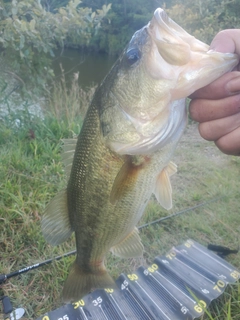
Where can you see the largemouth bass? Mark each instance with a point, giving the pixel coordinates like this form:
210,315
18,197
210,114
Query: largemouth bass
124,150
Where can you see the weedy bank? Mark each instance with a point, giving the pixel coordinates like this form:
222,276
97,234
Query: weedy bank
31,173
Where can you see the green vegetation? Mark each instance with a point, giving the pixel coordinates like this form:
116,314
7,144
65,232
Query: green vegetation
124,18
31,173
201,18
30,30
204,19
29,34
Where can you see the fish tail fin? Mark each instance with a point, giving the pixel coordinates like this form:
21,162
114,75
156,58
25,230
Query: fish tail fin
79,282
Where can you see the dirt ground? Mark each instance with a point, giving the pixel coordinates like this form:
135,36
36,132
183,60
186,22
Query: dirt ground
191,140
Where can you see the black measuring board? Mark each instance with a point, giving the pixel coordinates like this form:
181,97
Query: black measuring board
177,286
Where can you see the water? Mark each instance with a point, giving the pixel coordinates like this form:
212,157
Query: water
92,67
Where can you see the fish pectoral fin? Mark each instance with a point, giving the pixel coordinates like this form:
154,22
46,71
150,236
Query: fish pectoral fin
79,282
130,247
163,188
68,150
124,180
55,223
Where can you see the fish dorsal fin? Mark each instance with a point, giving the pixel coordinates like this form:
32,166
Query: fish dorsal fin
130,247
163,188
68,150
55,223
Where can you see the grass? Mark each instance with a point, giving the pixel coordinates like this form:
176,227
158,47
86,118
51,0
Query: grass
31,173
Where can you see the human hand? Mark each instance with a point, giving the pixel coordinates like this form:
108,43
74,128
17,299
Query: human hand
217,106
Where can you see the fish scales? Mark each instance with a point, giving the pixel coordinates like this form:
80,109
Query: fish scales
92,154
124,150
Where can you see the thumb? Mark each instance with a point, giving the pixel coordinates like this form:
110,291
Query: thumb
227,41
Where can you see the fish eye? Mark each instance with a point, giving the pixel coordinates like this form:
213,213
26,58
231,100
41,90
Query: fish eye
133,55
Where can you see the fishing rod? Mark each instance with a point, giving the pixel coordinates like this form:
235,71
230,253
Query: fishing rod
19,312
7,306
177,213
4,277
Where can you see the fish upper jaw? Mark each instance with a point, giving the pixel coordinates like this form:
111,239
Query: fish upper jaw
168,30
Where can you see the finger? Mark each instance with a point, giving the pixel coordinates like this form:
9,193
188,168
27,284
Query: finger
214,130
203,110
230,143
226,85
227,41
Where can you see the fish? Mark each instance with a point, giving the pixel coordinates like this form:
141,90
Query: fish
124,151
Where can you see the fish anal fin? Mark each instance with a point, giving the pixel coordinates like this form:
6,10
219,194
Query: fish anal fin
130,247
79,282
163,188
55,223
127,177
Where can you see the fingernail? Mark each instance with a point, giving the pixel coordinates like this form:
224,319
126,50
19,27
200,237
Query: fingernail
233,86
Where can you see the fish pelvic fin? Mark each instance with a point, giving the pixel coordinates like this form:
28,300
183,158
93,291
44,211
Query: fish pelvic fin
171,168
163,188
68,151
79,282
130,247
55,223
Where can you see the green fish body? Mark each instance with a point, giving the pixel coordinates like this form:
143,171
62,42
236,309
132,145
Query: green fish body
124,150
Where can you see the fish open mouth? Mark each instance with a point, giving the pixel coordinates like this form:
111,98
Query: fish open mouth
173,42
179,55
